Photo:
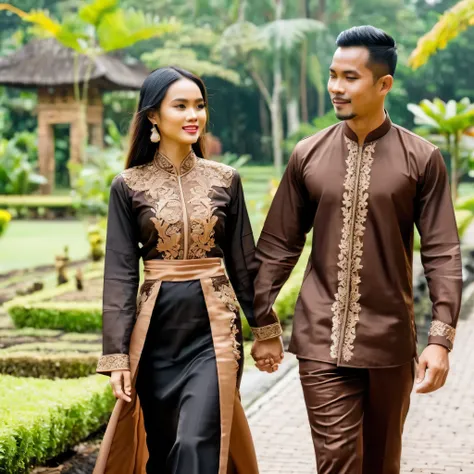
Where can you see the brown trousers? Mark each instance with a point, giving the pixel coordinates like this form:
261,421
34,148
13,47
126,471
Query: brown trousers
356,416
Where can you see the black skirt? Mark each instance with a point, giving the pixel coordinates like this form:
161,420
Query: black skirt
177,384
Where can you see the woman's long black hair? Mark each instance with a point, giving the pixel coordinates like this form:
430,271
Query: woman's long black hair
152,93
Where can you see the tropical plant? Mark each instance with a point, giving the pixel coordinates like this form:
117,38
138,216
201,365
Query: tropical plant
17,169
92,181
450,25
184,48
449,121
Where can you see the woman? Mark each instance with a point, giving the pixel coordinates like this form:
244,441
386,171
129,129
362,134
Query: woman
180,348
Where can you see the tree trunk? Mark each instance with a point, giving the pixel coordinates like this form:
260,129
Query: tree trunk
265,126
454,169
303,81
306,9
277,135
292,115
321,102
321,15
242,6
277,125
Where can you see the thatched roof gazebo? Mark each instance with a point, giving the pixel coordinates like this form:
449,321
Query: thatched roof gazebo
50,67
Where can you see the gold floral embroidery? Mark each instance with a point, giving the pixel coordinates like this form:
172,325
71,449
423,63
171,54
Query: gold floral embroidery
110,362
346,308
226,294
438,328
159,181
267,332
145,292
203,178
162,192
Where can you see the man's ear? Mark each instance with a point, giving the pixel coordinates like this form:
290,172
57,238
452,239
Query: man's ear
386,84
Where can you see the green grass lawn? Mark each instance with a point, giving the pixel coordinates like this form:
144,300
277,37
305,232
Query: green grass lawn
29,243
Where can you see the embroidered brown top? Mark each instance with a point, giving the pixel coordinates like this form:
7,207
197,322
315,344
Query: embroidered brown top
159,212
356,303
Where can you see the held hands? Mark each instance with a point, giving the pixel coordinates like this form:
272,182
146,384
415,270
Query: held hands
121,385
432,369
268,354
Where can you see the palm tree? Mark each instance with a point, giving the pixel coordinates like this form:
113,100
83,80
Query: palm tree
182,49
450,121
450,25
256,46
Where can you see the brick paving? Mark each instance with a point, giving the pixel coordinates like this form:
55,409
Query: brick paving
439,432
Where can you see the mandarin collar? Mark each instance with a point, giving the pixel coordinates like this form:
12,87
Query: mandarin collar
165,164
379,132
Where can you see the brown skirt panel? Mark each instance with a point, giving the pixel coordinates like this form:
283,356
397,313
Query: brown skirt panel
124,449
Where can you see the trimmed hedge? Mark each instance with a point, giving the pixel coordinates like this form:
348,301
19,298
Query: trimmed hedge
37,311
68,316
54,347
48,417
48,366
50,360
28,332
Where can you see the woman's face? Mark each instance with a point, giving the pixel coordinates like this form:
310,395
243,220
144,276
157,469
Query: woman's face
182,115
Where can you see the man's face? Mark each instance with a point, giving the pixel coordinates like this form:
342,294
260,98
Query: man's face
353,90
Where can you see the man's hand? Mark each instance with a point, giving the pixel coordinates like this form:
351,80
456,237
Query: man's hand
268,354
121,385
433,369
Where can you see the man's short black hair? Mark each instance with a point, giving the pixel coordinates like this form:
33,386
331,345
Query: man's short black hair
381,46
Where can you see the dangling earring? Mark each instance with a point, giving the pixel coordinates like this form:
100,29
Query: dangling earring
155,136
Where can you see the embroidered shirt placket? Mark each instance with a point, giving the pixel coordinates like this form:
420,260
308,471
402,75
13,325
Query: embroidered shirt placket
349,256
185,216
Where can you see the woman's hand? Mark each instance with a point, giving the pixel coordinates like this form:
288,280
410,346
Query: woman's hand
121,384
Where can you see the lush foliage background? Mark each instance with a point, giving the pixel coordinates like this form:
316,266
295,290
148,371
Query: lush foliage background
235,44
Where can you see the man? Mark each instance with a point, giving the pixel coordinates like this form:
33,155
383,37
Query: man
361,185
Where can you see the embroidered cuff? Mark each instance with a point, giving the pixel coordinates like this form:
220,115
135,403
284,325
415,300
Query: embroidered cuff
110,362
444,331
267,332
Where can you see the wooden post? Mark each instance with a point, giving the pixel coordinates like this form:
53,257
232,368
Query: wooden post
46,153
77,139
97,135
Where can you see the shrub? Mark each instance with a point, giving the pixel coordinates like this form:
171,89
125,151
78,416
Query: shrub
54,347
48,366
49,417
17,173
67,316
38,311
29,332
